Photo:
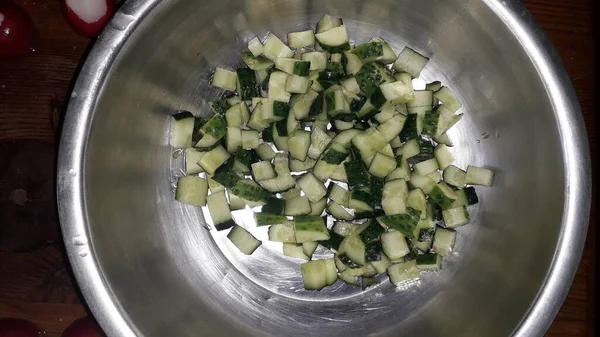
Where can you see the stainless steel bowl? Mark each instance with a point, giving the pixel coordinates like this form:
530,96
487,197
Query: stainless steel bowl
148,266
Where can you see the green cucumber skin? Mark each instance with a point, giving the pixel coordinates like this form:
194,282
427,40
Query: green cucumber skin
333,73
225,175
377,98
377,189
267,134
256,62
357,175
317,106
216,127
438,196
373,251
219,106
247,81
357,103
334,241
197,133
250,192
368,214
472,198
225,225
404,223
281,127
274,206
281,109
246,157
363,196
368,79
430,258
372,232
269,219
436,211
302,68
426,151
336,49
430,122
355,153
334,157
329,98
369,50
410,129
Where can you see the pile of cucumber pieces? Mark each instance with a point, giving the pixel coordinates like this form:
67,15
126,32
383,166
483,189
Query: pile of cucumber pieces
321,130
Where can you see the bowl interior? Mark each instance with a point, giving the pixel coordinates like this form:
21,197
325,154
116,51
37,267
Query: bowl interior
175,277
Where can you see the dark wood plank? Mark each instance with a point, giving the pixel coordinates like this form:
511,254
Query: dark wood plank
37,285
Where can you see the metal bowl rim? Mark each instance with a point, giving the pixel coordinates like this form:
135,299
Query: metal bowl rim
73,143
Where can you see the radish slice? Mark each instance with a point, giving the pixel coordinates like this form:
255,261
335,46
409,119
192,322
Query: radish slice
13,327
88,17
84,327
16,30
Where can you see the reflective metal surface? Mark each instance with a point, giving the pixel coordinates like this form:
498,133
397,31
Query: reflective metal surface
148,266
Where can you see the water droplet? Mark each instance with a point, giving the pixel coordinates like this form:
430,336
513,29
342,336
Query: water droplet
121,21
485,135
478,141
83,253
80,240
177,153
72,172
73,95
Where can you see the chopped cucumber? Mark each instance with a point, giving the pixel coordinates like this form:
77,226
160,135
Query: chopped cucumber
429,262
455,217
479,176
310,228
409,61
394,197
297,206
339,212
334,40
317,207
273,48
182,128
192,157
312,187
443,241
224,79
255,46
243,240
213,159
335,113
301,39
219,210
394,244
282,233
403,271
455,176
192,190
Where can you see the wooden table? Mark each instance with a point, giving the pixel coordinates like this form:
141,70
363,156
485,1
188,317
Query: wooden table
37,285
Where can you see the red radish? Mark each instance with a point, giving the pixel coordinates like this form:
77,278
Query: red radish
88,17
13,327
83,327
16,30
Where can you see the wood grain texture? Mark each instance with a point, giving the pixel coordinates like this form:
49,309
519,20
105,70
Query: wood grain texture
38,285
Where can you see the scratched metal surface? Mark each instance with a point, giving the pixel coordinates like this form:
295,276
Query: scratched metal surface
150,266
